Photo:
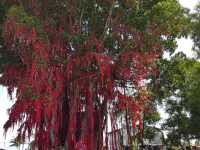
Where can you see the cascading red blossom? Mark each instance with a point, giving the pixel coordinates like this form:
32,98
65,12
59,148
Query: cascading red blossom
63,95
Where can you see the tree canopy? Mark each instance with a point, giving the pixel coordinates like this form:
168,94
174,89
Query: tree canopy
73,63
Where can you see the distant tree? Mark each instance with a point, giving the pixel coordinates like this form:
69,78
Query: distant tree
194,27
179,86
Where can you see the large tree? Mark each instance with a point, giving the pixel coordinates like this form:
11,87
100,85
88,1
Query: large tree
73,63
179,87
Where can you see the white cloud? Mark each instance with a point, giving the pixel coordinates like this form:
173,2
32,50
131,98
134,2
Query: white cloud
185,46
189,3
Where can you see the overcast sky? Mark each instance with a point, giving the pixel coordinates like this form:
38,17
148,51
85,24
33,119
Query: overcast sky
184,45
188,3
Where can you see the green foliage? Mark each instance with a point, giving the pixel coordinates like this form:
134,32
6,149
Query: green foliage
152,118
173,18
194,27
169,15
2,17
22,17
27,19
180,86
